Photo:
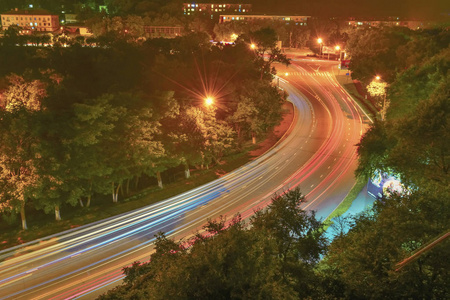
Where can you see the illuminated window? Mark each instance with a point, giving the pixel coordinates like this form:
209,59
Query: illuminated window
189,5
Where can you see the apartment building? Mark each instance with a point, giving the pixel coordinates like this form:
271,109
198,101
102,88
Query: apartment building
396,22
297,20
163,31
30,20
215,9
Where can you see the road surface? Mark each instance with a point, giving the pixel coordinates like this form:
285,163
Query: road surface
318,154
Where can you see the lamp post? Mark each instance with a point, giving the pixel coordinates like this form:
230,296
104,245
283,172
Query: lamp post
278,79
319,40
209,101
338,48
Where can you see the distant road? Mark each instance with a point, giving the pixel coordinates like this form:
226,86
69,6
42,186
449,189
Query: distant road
318,155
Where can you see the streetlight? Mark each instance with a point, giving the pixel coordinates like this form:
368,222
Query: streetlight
253,46
319,40
278,78
209,101
338,48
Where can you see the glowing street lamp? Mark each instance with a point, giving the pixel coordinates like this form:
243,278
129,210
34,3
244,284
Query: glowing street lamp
338,48
319,40
209,101
253,46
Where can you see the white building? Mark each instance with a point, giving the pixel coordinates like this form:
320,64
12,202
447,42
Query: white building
30,20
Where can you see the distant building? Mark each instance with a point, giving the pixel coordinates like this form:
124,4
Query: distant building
30,20
297,20
70,18
162,31
213,9
76,29
391,22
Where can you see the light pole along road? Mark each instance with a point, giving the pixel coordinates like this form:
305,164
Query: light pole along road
318,154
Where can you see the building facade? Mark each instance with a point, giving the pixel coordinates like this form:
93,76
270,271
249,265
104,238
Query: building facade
297,20
215,9
411,24
162,31
30,20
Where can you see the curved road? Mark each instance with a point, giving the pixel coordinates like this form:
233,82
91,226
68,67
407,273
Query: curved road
318,155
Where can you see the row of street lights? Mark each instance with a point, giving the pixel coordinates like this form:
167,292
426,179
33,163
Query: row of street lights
337,48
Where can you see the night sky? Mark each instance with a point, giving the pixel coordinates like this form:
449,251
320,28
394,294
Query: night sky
357,8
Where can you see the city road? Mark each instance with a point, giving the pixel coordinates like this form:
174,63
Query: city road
318,154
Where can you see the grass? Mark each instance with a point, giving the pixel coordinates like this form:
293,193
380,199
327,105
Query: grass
350,87
346,203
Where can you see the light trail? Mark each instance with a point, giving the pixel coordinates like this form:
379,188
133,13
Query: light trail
83,262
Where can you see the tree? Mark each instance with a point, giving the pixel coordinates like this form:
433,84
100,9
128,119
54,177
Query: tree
19,178
231,260
373,52
364,260
217,135
265,41
258,109
418,83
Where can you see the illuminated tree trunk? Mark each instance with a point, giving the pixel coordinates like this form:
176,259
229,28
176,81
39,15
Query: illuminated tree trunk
57,213
158,177
81,202
89,195
253,138
115,192
22,216
187,172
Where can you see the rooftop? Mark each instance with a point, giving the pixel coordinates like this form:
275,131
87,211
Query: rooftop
27,12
